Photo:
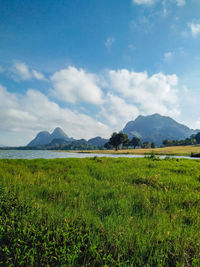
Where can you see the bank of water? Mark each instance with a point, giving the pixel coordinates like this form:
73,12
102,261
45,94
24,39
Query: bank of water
47,154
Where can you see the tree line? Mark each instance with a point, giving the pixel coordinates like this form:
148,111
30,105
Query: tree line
192,140
121,140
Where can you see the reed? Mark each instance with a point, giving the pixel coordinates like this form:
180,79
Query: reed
100,212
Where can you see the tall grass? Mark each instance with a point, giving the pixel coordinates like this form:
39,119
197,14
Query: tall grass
172,150
100,211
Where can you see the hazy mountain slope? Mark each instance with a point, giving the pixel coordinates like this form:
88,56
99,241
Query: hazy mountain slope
58,133
156,128
44,137
97,141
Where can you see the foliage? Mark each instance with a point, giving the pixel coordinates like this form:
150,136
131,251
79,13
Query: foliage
197,137
118,139
146,145
100,211
194,139
135,142
153,145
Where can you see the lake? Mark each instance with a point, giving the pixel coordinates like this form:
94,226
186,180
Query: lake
47,154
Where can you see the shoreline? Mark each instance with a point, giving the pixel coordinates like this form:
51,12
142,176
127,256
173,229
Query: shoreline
164,151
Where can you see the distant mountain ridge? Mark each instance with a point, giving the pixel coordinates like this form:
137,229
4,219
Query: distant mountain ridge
97,141
152,128
59,137
156,128
45,138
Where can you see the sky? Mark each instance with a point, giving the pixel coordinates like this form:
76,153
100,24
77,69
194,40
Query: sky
89,67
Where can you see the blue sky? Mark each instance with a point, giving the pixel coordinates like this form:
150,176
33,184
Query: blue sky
91,66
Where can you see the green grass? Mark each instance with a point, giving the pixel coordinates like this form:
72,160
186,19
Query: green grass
100,211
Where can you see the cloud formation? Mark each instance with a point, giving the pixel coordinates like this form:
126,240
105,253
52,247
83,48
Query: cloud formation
24,116
154,94
117,111
180,2
112,98
144,2
21,71
73,85
194,28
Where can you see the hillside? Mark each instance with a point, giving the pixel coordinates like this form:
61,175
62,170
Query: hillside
156,128
44,137
97,141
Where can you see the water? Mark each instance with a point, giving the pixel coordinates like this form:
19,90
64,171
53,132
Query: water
47,154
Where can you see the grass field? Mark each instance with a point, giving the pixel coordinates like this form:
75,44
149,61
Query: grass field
173,151
100,212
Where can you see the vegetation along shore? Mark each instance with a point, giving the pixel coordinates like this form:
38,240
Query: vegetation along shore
169,151
100,212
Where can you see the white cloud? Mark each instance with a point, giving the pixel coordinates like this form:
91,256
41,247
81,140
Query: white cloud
194,28
144,2
155,94
168,57
109,42
126,95
165,8
38,75
21,117
73,85
180,2
22,72
117,111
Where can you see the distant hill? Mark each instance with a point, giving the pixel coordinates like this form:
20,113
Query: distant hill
59,137
156,128
44,137
153,128
59,141
97,141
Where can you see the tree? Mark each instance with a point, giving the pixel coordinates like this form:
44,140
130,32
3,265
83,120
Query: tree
126,141
146,145
153,145
108,145
166,142
197,137
135,142
117,139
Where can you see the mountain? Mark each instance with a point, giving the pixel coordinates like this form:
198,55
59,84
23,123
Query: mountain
97,141
58,133
44,137
156,128
59,141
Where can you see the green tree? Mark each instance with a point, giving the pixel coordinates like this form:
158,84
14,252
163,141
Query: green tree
153,145
197,137
108,145
146,145
166,142
135,142
126,141
118,139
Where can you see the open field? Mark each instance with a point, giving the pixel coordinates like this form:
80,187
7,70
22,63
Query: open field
173,150
100,212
